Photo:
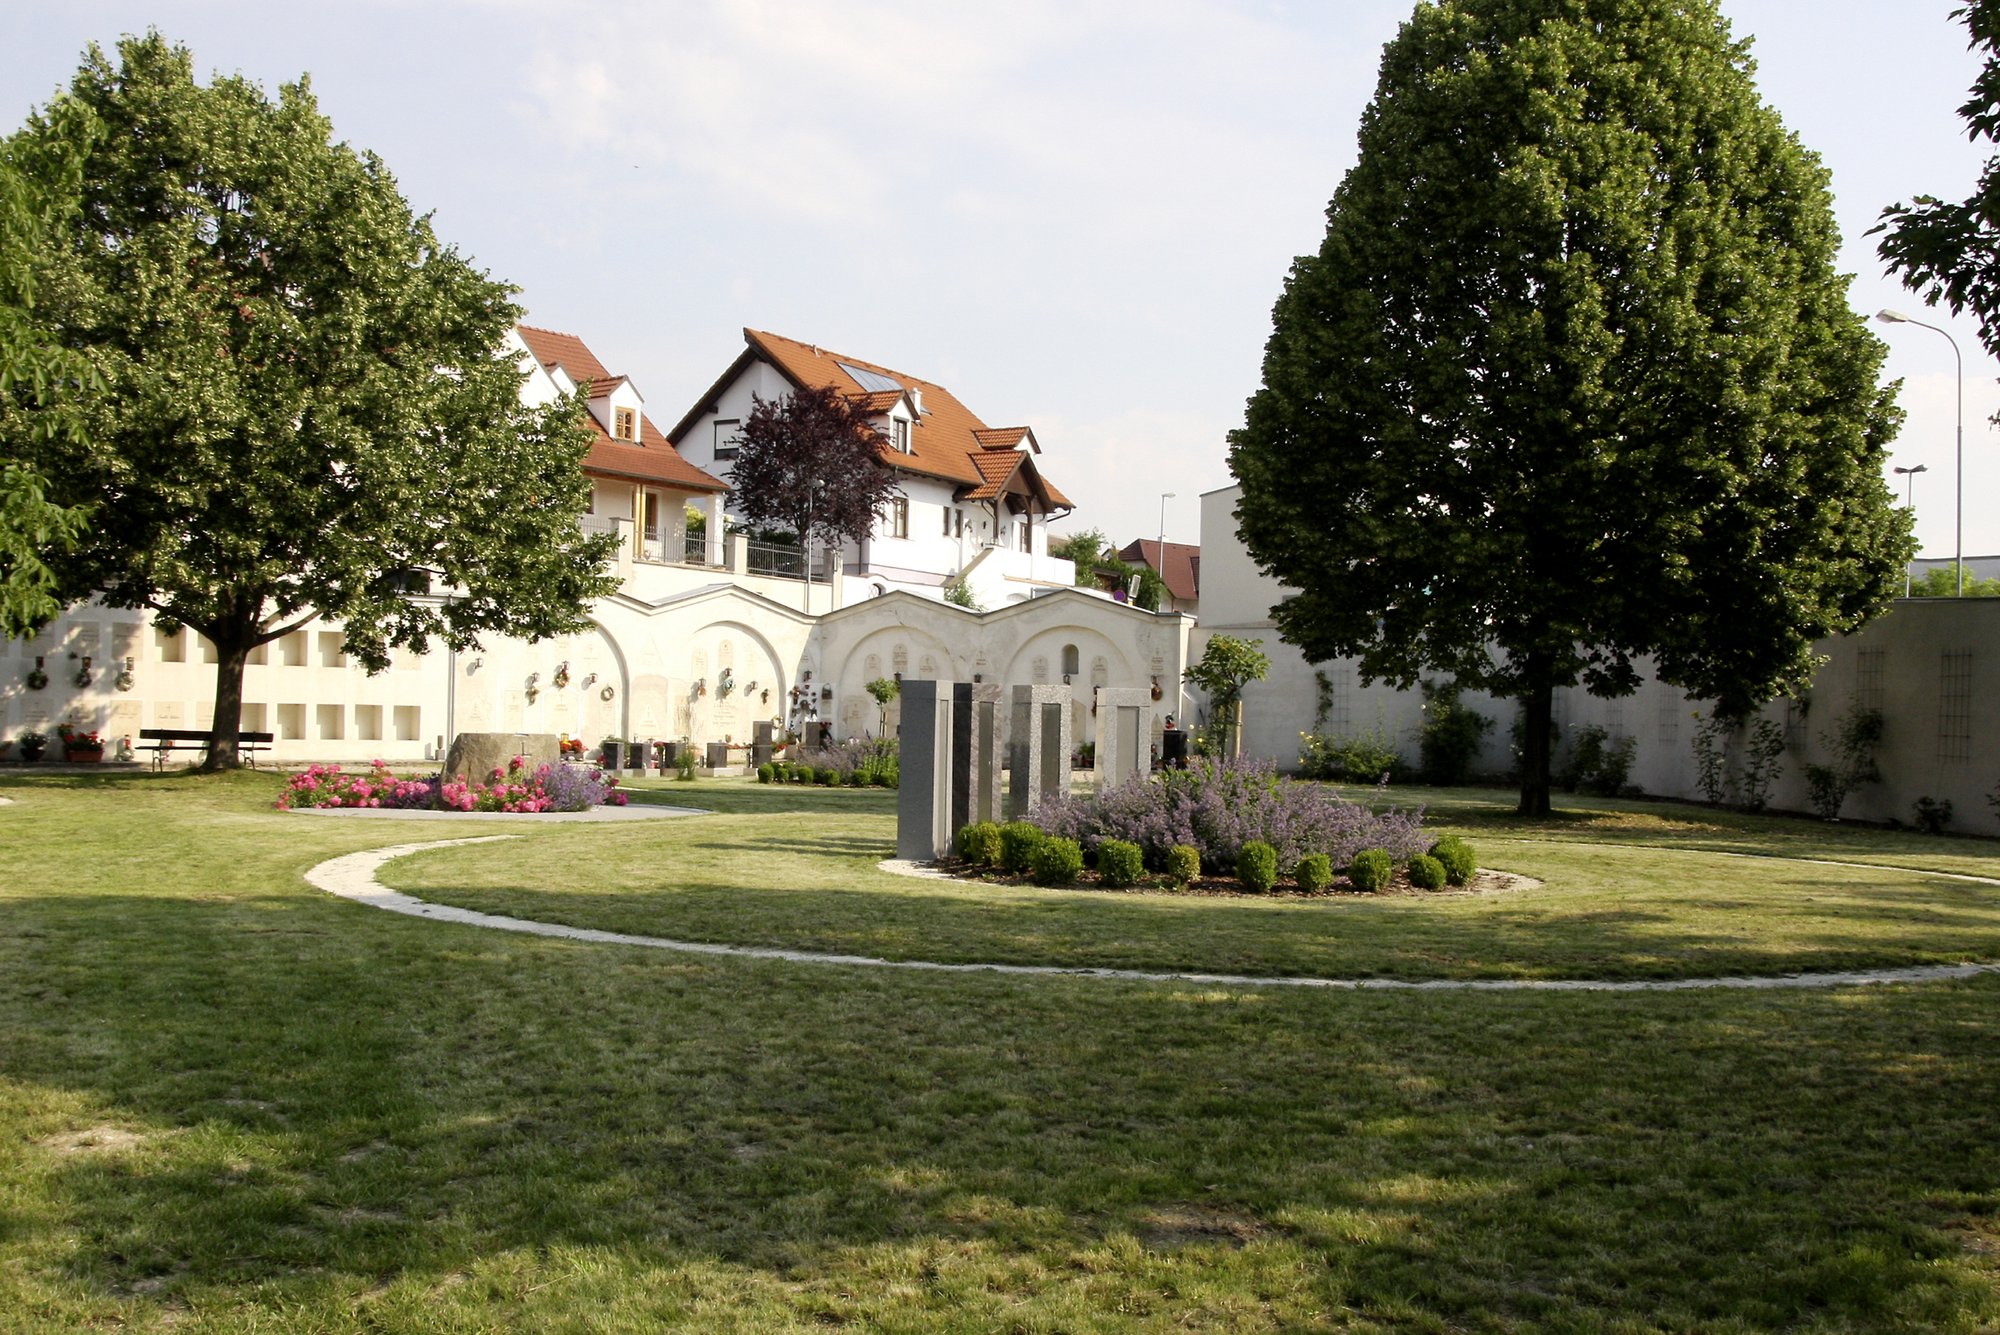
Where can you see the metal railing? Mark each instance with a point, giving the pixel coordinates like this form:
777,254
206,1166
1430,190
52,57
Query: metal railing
778,562
696,551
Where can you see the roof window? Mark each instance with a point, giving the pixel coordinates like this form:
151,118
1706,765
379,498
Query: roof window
872,381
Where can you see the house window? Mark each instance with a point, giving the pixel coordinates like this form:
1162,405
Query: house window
726,438
624,424
650,504
899,517
1027,535
899,429
947,520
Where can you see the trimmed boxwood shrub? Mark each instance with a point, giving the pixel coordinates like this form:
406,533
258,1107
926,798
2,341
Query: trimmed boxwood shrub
1426,872
1370,870
1018,841
1315,873
1456,855
1057,862
1119,863
829,777
1257,867
1184,863
765,773
979,843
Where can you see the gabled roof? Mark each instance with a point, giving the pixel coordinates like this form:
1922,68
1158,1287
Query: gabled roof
944,440
656,460
1180,571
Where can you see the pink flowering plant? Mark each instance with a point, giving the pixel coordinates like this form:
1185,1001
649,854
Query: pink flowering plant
549,787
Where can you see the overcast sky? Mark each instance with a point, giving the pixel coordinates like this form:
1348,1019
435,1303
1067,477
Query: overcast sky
1075,215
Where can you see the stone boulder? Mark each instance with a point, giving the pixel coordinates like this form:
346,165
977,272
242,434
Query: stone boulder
474,755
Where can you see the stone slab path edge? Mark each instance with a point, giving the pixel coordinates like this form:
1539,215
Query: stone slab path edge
353,877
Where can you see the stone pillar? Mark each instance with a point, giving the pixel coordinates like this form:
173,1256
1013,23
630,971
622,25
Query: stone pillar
923,795
975,754
1124,734
1038,746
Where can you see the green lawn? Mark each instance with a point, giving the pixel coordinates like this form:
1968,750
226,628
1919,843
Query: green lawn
231,1103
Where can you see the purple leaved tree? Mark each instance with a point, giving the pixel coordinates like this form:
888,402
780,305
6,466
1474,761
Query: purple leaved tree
811,462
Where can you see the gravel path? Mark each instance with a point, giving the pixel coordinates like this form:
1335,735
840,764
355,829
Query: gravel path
353,877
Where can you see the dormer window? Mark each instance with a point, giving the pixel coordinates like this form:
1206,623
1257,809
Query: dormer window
624,424
899,434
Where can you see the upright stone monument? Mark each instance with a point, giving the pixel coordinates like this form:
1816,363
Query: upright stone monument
763,740
923,794
975,754
1124,734
1038,746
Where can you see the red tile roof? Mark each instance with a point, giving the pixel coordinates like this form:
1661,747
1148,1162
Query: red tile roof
656,461
944,442
1180,572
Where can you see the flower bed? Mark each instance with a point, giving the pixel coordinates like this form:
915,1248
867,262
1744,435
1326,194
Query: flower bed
550,787
1217,806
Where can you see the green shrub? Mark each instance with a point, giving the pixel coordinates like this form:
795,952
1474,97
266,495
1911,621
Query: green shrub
854,779
1057,861
1018,841
1449,737
979,843
1257,867
1184,864
1932,814
1315,873
765,773
829,777
1426,872
1370,870
1119,863
1457,857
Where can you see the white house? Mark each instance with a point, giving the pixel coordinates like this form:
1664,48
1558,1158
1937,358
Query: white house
973,504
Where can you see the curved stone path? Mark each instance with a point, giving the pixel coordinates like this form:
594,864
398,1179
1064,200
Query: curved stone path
352,876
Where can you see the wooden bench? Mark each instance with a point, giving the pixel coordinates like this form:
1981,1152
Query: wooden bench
162,741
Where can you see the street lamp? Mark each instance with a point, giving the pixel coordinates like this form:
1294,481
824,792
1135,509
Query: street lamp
1897,317
1165,496
1910,503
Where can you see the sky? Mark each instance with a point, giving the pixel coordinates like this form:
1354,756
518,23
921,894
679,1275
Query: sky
1074,214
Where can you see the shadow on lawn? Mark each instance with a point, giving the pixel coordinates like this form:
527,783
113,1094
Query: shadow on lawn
404,1104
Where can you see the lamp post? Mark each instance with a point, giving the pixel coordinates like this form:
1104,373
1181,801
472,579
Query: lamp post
1909,503
1958,522
1165,496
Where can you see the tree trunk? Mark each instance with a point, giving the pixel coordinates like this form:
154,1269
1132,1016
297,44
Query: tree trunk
1538,710
232,652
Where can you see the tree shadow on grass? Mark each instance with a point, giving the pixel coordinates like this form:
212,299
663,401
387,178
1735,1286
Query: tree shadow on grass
396,1106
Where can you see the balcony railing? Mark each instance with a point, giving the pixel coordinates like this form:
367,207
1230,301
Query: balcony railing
696,552
776,562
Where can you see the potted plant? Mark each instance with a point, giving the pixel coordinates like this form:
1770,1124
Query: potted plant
32,745
80,746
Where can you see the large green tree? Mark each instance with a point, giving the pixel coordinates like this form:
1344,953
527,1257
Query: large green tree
306,407
37,374
1572,379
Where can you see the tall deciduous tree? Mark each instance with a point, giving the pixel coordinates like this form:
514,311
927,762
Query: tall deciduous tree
1572,379
32,527
306,408
811,463
1951,252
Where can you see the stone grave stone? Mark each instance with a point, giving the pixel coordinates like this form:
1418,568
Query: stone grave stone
976,793
1038,746
1124,734
923,795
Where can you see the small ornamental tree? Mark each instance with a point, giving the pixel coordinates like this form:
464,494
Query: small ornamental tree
305,407
811,463
1572,379
884,689
1228,665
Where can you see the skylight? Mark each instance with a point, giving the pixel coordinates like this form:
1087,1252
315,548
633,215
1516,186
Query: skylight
872,381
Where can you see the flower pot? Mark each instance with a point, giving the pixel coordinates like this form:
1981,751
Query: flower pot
84,755
32,751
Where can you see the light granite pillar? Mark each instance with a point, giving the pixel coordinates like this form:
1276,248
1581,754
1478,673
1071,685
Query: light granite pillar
1038,747
975,755
923,795
1124,734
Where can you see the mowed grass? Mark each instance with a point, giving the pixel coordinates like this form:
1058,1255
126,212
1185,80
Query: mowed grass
1628,892
229,1103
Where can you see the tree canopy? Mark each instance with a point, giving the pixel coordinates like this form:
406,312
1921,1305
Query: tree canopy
1950,252
32,527
1572,379
810,463
306,404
